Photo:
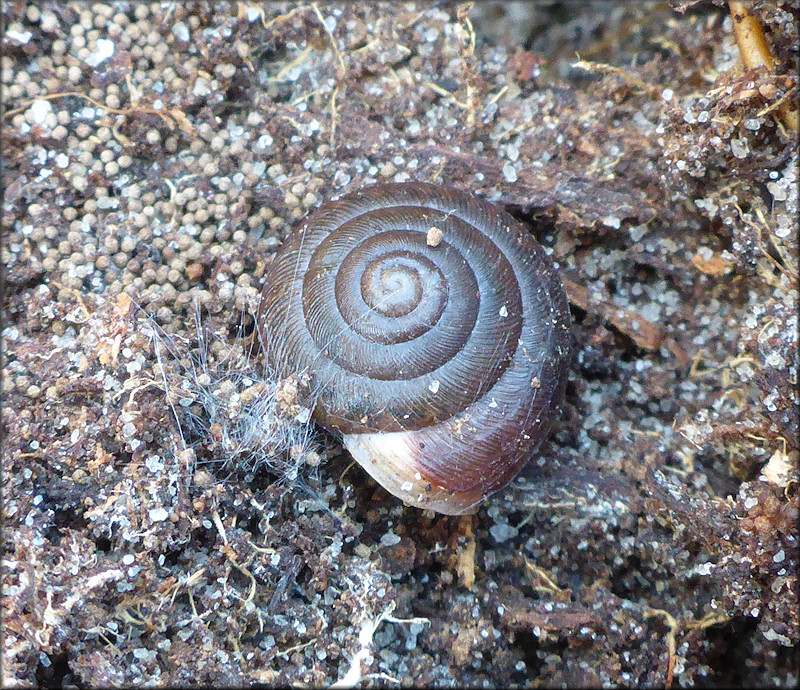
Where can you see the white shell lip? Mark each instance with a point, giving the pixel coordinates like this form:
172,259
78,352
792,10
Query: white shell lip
391,460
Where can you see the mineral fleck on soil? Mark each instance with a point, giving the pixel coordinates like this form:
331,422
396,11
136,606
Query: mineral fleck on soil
156,155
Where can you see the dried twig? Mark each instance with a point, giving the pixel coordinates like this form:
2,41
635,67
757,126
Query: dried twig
672,624
755,52
603,68
171,116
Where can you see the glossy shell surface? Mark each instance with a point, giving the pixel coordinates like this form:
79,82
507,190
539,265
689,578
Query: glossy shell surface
435,332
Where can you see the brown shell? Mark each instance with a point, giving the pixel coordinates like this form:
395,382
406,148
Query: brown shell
458,336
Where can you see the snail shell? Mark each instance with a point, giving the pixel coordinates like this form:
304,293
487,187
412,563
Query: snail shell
435,332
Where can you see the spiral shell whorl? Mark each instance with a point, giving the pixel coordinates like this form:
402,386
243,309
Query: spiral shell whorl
442,365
